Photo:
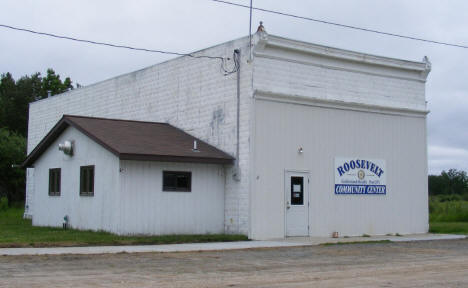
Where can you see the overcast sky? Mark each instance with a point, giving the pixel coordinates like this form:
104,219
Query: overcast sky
186,26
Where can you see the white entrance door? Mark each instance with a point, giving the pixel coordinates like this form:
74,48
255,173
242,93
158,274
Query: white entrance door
297,203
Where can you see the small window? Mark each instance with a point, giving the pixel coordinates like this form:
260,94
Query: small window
87,181
177,181
54,182
297,190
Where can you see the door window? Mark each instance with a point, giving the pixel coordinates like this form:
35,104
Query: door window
297,190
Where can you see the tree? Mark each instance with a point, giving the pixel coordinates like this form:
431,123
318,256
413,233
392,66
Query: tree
53,84
451,182
456,181
15,97
7,96
12,151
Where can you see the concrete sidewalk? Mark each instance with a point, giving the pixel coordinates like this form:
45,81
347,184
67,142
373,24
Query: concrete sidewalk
219,246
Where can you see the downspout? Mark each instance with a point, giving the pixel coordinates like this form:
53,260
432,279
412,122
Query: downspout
250,33
237,173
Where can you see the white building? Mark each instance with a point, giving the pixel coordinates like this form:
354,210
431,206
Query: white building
325,140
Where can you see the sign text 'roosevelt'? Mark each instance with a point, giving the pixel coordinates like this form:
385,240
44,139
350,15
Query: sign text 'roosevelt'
360,176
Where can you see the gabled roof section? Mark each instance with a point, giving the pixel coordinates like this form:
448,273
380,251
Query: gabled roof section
135,140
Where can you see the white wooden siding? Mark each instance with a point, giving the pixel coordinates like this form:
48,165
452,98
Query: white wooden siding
98,212
128,197
145,208
325,133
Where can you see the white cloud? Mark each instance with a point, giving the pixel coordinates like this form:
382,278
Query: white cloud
444,158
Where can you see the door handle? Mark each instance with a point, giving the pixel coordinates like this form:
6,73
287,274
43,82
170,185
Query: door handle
287,205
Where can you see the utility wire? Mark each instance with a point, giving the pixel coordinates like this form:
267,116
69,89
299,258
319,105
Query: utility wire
342,25
110,44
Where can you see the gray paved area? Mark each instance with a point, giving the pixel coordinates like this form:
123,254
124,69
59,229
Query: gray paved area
442,263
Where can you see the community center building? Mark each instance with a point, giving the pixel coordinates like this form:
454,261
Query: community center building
268,137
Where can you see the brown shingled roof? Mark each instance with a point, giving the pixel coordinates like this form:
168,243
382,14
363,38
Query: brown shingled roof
135,140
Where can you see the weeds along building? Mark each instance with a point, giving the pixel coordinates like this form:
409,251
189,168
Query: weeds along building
303,140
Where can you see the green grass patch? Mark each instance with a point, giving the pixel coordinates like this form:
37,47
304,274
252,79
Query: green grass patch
18,232
449,227
448,215
356,242
448,211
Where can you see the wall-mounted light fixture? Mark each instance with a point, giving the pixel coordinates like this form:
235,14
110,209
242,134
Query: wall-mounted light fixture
300,150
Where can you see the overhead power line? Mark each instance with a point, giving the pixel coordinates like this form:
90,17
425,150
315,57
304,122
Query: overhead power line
110,44
342,25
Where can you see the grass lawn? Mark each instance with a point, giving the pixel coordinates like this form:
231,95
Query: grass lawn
448,216
18,232
449,227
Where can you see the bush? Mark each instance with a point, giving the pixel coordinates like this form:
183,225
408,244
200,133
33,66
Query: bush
3,204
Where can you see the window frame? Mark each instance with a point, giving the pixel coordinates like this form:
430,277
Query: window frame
166,188
55,172
83,170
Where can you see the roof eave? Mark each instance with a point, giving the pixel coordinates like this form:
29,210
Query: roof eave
45,142
171,158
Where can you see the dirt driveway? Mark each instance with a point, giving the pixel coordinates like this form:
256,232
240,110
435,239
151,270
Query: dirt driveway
415,264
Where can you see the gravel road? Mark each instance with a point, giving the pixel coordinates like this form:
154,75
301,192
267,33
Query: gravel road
412,264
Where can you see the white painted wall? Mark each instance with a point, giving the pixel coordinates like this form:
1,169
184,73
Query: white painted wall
128,196
96,213
145,208
299,69
191,94
325,133
337,103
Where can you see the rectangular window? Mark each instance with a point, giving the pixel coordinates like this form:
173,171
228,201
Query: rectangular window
177,181
297,190
87,180
54,182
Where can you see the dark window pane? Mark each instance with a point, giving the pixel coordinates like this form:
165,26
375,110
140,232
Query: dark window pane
297,190
51,175
54,182
182,181
87,180
177,181
91,180
82,180
170,181
59,180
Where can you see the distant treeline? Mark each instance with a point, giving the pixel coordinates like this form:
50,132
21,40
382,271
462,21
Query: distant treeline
452,183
